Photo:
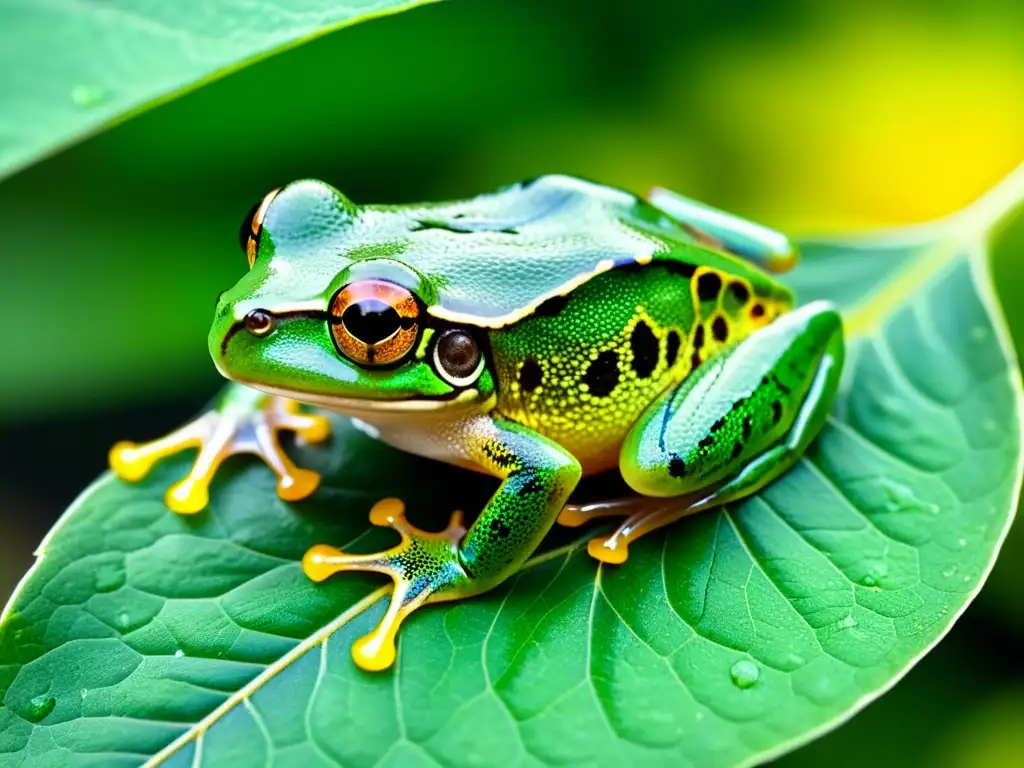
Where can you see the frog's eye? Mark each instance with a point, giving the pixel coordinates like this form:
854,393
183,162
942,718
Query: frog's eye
457,357
249,235
374,322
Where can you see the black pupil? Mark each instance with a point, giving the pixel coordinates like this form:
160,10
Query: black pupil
246,231
458,353
371,320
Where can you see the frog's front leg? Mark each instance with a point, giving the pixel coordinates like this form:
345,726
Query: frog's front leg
538,476
734,425
242,421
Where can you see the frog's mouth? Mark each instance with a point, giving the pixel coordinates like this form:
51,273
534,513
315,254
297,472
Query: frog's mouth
357,406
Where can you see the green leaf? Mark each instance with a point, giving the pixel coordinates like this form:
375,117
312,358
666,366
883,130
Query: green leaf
65,63
726,639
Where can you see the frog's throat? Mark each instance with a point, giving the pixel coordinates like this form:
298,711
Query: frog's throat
357,406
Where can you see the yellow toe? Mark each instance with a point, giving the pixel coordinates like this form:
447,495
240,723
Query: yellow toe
572,517
126,462
317,562
375,652
598,549
387,511
187,497
318,430
298,485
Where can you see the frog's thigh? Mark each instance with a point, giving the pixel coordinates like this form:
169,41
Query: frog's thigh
704,438
759,245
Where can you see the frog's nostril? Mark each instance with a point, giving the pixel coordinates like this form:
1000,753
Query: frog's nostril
259,322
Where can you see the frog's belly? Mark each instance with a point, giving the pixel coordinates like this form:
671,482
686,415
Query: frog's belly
441,439
591,429
596,448
451,440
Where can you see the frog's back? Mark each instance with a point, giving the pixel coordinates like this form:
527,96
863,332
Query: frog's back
583,367
490,261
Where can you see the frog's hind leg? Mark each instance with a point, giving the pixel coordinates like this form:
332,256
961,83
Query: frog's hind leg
759,245
243,421
737,423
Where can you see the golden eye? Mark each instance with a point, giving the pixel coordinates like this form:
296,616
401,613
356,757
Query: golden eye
374,322
249,236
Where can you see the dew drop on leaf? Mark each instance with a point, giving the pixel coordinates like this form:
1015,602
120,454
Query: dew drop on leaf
874,572
88,96
846,623
902,499
744,673
39,707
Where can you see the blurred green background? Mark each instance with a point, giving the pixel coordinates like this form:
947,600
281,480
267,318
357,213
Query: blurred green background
808,115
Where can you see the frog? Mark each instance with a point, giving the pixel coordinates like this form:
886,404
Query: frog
554,329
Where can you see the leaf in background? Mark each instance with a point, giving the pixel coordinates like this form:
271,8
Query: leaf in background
72,67
141,222
728,638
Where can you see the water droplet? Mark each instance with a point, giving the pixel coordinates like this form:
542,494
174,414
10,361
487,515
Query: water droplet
961,543
951,571
40,707
846,623
88,96
179,653
744,673
84,693
979,333
874,572
123,620
967,579
902,499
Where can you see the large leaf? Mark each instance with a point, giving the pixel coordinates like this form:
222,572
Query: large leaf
725,639
71,66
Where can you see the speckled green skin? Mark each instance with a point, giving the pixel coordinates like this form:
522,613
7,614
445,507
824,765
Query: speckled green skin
614,335
584,368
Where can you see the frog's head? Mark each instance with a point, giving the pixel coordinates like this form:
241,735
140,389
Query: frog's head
330,314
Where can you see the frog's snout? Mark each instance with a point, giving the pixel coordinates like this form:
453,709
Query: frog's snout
223,327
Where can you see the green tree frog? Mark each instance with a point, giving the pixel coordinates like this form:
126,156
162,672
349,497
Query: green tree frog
553,329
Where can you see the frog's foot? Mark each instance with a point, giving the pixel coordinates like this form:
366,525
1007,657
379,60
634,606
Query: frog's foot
643,513
241,424
614,549
575,515
424,566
